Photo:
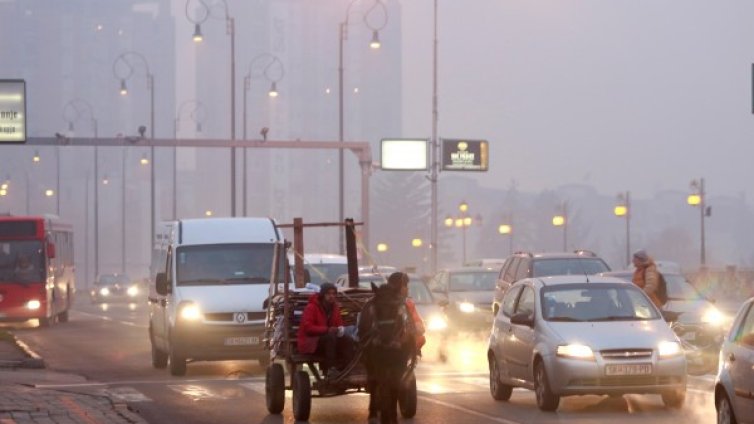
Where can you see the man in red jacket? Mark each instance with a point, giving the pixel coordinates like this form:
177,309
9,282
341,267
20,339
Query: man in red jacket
321,331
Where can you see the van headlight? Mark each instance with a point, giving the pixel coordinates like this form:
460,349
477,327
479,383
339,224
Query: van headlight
466,307
576,351
437,322
104,291
713,316
33,305
132,291
191,312
669,349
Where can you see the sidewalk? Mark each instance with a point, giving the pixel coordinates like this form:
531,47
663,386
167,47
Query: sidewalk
22,402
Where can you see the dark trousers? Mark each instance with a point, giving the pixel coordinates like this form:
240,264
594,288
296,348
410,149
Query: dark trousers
337,351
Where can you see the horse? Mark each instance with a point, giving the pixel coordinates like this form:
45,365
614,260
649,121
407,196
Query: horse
387,335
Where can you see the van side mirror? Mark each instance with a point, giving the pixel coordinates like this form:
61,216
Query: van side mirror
162,284
523,318
50,250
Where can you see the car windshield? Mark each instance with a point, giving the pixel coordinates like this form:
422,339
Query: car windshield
569,266
596,302
325,273
472,281
680,289
111,280
219,264
419,293
21,261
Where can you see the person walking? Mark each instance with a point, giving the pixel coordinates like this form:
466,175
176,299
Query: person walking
398,281
646,275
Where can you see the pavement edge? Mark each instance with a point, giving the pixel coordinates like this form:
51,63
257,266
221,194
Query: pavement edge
33,360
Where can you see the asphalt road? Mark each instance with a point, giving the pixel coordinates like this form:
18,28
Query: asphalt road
108,345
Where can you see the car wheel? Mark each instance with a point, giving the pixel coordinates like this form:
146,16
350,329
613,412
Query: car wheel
725,410
546,400
498,390
674,399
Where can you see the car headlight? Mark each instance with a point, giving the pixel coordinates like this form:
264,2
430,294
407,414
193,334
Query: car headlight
713,316
33,305
669,349
104,291
466,307
190,312
132,291
576,351
437,323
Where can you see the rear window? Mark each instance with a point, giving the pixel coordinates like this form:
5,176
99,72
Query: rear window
472,281
569,266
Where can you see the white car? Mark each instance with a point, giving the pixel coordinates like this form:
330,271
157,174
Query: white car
734,386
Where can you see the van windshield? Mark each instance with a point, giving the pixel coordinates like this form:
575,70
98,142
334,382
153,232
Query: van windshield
222,264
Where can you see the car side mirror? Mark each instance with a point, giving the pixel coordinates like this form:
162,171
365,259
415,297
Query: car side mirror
523,318
162,284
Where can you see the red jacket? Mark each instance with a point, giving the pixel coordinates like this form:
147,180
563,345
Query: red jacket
314,324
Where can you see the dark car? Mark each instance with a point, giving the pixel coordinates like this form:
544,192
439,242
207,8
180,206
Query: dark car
699,324
522,265
468,294
114,288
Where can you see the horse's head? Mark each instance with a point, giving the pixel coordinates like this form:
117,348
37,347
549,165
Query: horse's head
390,318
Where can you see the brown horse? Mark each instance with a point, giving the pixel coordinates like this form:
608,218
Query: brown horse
389,351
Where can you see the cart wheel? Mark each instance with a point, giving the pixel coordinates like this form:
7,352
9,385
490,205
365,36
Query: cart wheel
407,398
302,396
274,388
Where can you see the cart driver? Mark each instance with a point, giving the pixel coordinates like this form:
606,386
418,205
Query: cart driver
322,332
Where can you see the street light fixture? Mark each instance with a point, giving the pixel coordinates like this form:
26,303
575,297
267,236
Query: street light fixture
623,209
374,44
36,157
417,242
382,247
463,221
561,220
231,31
698,197
507,230
270,67
123,69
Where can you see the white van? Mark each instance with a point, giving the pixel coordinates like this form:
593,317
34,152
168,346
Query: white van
207,299
322,267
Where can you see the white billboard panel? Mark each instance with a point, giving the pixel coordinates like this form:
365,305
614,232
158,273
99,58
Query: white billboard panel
404,155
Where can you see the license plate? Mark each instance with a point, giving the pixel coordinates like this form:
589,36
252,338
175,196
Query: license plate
628,369
241,341
689,337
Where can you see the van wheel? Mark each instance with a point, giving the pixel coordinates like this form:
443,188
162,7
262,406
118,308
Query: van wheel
177,363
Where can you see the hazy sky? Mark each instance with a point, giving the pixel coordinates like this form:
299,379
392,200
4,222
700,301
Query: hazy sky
621,94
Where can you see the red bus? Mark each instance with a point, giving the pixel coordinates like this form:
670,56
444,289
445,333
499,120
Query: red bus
36,269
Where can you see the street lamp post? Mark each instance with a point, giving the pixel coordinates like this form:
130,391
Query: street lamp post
561,220
128,67
434,147
463,221
374,44
698,197
197,108
623,209
270,60
198,37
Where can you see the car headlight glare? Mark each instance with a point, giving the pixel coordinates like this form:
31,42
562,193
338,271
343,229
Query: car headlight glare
466,307
713,316
33,305
191,312
576,351
132,291
104,291
669,349
436,323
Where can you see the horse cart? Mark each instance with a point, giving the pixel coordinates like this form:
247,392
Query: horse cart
285,309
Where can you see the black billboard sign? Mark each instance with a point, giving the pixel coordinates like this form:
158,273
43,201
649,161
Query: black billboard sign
464,155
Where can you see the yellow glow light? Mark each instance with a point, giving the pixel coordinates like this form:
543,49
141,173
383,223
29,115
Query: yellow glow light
463,207
620,210
504,229
144,160
3,192
375,43
382,247
467,221
459,222
197,37
558,220
694,199
49,193
417,242
448,222
208,213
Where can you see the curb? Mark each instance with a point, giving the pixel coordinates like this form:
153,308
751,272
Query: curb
33,361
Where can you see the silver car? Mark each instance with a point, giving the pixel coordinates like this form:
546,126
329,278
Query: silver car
734,386
577,335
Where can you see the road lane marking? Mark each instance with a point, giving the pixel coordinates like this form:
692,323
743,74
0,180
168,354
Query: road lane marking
195,392
126,394
467,410
128,323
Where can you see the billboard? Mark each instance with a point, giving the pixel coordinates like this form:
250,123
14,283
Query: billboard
464,155
12,111
403,154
